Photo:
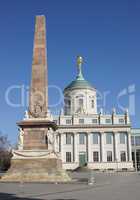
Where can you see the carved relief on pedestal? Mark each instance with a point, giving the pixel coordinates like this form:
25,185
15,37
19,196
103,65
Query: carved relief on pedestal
38,109
20,139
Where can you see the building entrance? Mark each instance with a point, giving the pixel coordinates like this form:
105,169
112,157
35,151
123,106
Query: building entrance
82,159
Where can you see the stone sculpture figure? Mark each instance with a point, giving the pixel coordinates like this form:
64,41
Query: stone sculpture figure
20,139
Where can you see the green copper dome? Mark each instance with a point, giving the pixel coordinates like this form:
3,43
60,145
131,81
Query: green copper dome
79,82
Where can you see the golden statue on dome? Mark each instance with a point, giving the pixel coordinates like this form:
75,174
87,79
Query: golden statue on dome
79,66
80,60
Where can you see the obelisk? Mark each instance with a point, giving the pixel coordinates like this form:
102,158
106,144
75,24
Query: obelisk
36,159
34,135
39,82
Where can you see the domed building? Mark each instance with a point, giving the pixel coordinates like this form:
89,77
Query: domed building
79,95
88,138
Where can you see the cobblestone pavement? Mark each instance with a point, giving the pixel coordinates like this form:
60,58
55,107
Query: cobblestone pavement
107,186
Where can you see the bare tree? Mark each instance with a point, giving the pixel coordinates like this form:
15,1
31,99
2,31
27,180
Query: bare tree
5,152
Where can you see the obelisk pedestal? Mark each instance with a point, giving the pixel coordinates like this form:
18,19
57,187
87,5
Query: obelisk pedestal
36,159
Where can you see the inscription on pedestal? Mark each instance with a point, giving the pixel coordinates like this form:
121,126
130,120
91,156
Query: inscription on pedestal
35,139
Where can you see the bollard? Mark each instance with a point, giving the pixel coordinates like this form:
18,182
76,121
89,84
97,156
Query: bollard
91,180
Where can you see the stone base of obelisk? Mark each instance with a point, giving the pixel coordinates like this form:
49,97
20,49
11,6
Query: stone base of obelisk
35,166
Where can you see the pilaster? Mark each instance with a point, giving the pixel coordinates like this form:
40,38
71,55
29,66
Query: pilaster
76,159
89,147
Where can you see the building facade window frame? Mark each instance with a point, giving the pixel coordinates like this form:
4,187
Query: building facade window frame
108,121
137,140
81,121
109,156
95,138
109,138
121,121
68,121
122,138
92,103
68,138
68,157
95,156
94,121
67,101
123,156
82,138
81,102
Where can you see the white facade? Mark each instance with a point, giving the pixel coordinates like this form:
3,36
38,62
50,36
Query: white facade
88,147
85,137
87,97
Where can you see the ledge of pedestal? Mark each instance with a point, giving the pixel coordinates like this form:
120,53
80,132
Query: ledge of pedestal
35,154
37,122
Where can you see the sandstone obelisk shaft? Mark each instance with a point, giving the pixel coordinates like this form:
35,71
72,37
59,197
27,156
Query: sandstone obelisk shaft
38,99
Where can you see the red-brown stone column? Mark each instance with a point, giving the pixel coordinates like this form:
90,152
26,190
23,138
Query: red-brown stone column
38,99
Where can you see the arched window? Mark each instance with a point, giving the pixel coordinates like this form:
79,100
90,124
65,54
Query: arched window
109,138
95,138
81,102
92,103
67,101
122,138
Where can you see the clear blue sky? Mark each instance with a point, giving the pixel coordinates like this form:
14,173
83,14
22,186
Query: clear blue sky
105,32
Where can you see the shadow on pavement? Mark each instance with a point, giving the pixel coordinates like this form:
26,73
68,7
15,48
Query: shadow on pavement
6,196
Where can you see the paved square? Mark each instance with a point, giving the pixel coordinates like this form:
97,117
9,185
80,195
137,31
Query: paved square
108,186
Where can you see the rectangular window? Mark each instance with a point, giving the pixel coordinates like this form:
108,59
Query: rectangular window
137,140
81,121
82,138
109,138
96,156
68,157
121,121
122,138
95,138
94,121
68,138
108,121
109,156
123,156
132,140
68,121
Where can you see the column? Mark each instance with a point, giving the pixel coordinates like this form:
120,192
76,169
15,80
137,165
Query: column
62,147
135,153
114,146
59,142
103,139
76,155
129,150
89,151
73,152
101,147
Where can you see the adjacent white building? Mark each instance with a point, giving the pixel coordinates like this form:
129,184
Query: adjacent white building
88,138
